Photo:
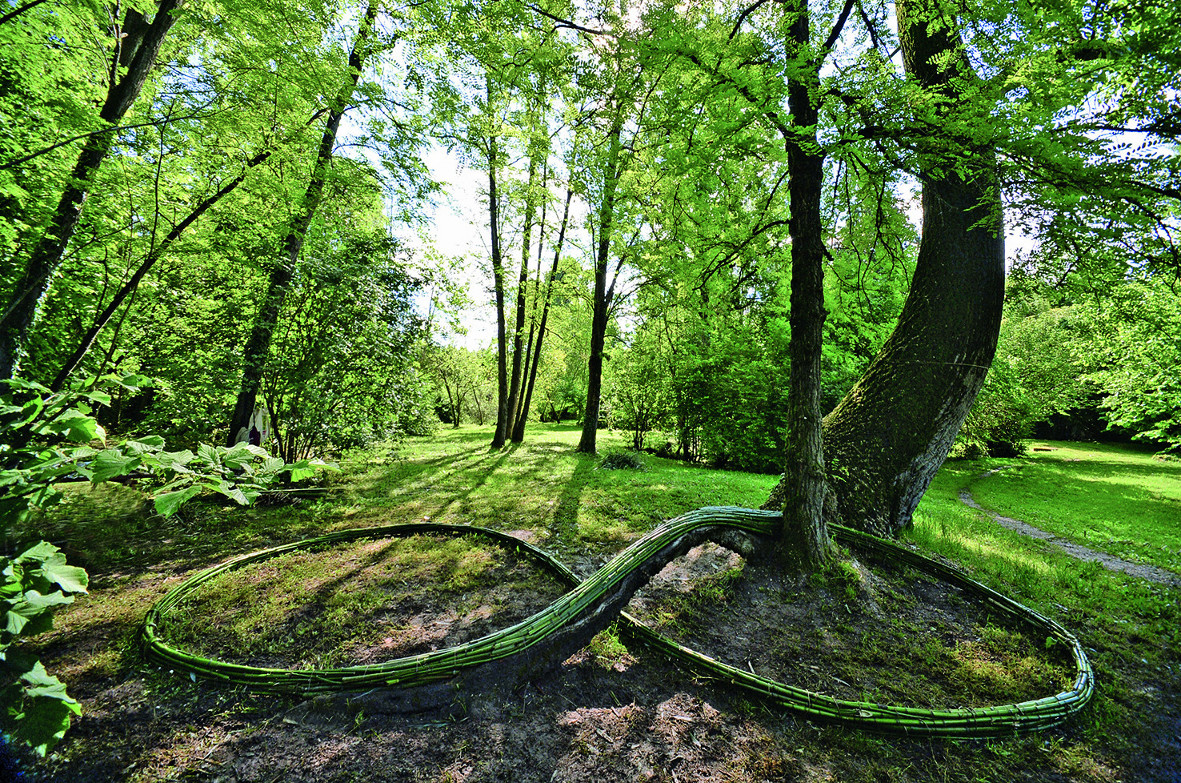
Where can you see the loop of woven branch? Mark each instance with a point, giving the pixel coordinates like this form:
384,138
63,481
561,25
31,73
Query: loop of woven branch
441,665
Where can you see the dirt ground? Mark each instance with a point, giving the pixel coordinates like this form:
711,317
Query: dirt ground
611,713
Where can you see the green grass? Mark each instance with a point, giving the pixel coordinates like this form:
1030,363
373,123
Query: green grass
540,485
1130,627
562,501
1115,499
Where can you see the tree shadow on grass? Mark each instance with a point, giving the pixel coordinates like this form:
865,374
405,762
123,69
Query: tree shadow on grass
276,636
1102,469
563,526
464,495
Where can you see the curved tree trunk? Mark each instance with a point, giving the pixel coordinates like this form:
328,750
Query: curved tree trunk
258,345
892,431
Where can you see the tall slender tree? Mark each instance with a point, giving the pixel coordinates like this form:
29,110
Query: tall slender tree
492,142
604,292
523,416
137,45
805,532
537,150
257,348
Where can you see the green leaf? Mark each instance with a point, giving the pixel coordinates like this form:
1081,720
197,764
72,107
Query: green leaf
70,579
41,710
175,460
208,454
236,494
13,576
168,503
39,552
102,398
135,382
146,445
30,411
111,463
298,474
76,426
31,613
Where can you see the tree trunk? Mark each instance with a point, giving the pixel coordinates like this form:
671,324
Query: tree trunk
594,386
520,414
143,42
502,411
514,394
892,431
804,540
479,407
258,345
519,431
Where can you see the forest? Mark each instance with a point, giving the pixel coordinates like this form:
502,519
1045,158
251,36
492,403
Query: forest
804,252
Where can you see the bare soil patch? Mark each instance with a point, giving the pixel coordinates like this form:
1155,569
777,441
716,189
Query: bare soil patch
359,603
867,631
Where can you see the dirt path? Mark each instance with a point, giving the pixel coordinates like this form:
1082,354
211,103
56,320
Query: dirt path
1151,573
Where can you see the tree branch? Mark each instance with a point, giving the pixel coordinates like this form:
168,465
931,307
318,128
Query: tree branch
81,136
8,17
567,24
742,18
836,28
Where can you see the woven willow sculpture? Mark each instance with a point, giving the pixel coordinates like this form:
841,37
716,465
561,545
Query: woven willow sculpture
595,602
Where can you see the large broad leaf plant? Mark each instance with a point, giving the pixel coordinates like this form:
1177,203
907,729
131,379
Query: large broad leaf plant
49,437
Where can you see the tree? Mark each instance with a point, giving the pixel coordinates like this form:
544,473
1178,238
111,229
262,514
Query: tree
137,44
342,371
603,293
627,77
1132,353
892,431
257,347
805,533
537,151
502,388
1035,374
536,344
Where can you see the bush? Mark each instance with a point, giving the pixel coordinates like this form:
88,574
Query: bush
622,460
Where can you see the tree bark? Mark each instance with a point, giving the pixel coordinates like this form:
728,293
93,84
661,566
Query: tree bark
804,540
21,310
258,345
594,386
893,430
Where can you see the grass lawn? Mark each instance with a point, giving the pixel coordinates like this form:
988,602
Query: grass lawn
610,713
1119,500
